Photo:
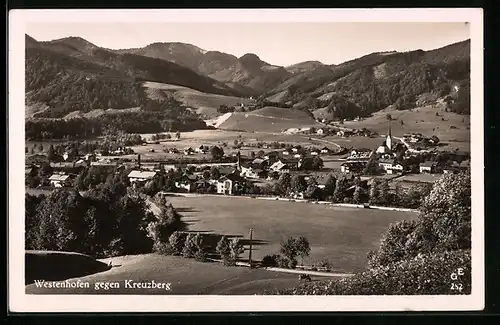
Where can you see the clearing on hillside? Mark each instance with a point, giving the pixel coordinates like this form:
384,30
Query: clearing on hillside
204,103
268,119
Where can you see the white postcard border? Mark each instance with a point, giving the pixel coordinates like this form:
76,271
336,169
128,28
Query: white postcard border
20,302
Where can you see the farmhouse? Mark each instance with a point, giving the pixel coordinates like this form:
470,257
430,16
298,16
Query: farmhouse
427,167
261,163
391,166
229,184
285,152
314,152
251,171
201,149
353,166
188,151
60,180
141,176
362,153
325,150
186,182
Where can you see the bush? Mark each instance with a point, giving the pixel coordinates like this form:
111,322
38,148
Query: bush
176,242
270,260
423,275
163,248
190,246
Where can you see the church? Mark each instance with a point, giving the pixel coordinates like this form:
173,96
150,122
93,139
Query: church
387,145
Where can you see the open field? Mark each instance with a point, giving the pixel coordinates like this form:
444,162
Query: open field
344,236
269,119
205,104
185,275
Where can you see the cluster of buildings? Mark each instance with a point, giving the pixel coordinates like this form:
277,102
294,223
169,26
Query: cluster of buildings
413,145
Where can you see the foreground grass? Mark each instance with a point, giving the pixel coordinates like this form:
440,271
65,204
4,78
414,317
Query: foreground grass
186,277
344,236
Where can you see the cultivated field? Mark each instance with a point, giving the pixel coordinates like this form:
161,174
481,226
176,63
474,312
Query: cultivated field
185,275
204,103
344,236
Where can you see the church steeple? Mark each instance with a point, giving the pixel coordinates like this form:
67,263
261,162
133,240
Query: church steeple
388,140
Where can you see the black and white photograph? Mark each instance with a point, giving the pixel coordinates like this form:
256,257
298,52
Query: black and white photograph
246,160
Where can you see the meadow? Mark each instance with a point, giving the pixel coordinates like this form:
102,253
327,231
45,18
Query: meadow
344,236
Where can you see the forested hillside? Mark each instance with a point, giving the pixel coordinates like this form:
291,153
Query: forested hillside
378,80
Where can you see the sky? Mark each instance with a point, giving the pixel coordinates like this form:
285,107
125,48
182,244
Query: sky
281,43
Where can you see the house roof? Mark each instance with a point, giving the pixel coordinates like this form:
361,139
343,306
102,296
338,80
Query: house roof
223,170
386,161
58,177
362,150
235,177
278,165
141,174
428,164
258,161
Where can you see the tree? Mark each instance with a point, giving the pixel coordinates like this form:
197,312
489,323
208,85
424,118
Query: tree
384,195
236,249
177,135
214,173
371,167
303,248
298,184
176,241
289,250
283,185
190,246
340,188
317,163
217,153
331,181
388,117
435,139
224,250
359,195
443,225
206,174
374,191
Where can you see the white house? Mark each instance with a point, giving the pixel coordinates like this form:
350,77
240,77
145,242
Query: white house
325,150
360,153
427,167
285,152
229,184
60,180
314,152
141,176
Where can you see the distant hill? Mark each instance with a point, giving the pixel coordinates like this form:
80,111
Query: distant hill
268,119
379,80
72,74
246,74
305,66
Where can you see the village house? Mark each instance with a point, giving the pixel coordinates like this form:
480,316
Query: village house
138,176
173,150
285,152
188,151
295,149
322,131
362,153
201,149
186,182
250,171
344,133
314,152
325,151
272,155
298,155
229,184
60,180
427,167
90,157
391,166
352,167
261,163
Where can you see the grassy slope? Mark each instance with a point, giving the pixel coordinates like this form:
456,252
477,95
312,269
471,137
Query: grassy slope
268,119
423,120
342,235
205,104
187,277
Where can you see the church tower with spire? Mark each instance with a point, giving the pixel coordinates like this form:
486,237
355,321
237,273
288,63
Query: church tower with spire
388,139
